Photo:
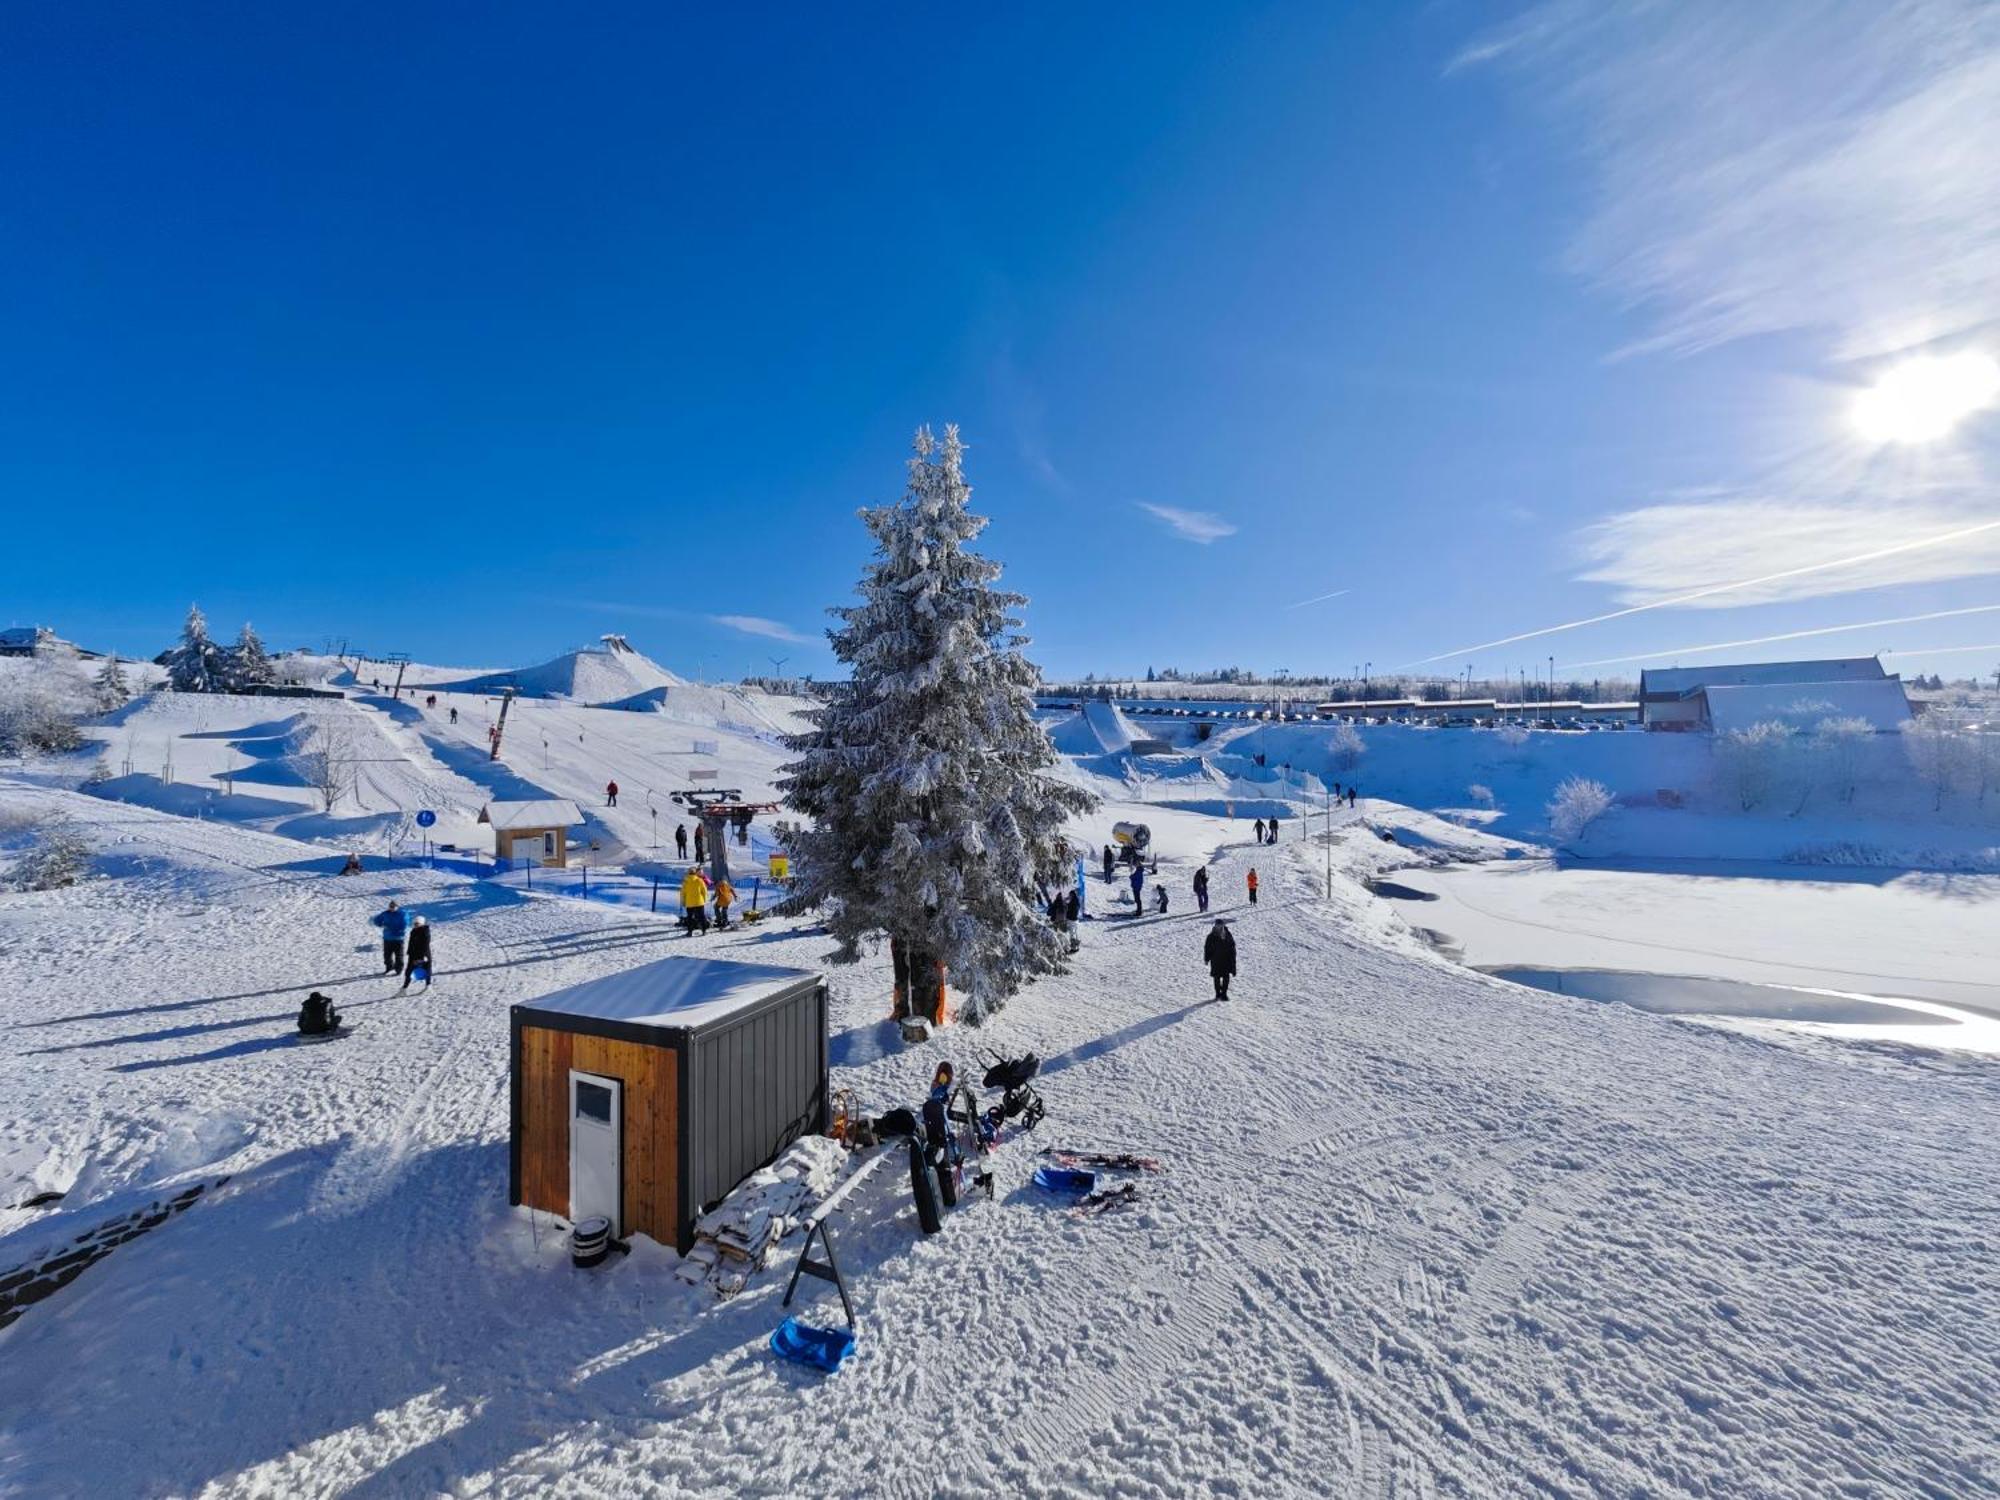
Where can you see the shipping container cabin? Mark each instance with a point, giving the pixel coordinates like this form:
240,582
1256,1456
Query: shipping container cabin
646,1096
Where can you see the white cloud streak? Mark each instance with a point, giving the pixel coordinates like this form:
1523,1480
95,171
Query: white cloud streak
757,625
1320,598
1190,525
1693,595
1676,652
1783,165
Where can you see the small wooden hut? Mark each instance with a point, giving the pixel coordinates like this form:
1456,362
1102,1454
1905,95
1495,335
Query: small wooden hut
646,1096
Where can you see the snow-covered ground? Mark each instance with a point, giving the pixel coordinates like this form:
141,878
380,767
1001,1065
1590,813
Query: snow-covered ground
1418,1232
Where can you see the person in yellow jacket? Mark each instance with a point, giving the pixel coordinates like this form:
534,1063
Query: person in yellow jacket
725,897
694,901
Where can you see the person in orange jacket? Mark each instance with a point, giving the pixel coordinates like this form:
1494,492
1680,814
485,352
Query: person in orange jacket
725,897
1252,882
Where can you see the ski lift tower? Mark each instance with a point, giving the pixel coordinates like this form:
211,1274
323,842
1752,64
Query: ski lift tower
718,807
500,724
402,661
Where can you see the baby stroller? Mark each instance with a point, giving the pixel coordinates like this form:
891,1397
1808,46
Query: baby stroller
1018,1100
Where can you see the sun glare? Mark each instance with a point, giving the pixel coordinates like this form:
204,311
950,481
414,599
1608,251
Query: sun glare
1922,399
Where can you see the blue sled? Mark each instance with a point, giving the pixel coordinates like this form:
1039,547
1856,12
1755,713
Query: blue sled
1065,1180
821,1348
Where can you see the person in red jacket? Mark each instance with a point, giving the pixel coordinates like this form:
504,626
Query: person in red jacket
610,794
1252,882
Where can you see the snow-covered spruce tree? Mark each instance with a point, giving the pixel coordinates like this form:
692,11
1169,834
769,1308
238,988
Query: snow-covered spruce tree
108,687
931,816
197,664
249,663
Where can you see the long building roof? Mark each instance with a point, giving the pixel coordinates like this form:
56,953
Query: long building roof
1801,705
1677,682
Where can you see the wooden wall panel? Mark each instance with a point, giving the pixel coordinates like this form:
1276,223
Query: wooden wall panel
652,1113
545,1065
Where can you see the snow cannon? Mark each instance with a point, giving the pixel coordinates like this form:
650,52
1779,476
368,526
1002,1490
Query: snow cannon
1135,836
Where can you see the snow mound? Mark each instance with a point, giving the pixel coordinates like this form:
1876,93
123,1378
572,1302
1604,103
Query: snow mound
1097,729
608,675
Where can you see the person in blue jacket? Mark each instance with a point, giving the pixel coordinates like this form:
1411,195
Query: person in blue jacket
1138,887
394,924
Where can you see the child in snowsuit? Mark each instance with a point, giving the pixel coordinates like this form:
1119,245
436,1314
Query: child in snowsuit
725,897
393,924
420,953
1160,899
1252,882
1220,953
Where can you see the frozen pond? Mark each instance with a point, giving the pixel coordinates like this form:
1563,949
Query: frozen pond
1897,955
1876,1017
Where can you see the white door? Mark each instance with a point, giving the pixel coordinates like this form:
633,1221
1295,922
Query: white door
596,1147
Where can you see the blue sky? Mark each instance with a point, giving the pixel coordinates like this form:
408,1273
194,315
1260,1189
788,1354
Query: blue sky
476,334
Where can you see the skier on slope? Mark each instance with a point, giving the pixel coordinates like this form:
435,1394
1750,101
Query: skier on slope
394,924
1201,887
694,901
420,953
681,840
1219,951
610,794
1251,881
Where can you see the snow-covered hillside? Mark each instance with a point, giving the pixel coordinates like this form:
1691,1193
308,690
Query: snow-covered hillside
1418,1231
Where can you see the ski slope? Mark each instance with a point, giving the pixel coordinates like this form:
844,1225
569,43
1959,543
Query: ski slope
1418,1232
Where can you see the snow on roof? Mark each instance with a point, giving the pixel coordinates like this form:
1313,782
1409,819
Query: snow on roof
549,813
1681,681
672,992
1801,705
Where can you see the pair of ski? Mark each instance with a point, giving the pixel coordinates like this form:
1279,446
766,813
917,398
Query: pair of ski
1104,1200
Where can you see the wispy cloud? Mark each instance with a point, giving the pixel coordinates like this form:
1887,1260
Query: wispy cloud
1820,169
1320,598
770,630
1024,411
1674,653
1790,164
1190,525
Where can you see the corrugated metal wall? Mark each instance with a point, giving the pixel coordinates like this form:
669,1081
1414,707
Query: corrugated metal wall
756,1086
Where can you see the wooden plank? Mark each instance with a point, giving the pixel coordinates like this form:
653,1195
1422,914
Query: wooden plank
545,1064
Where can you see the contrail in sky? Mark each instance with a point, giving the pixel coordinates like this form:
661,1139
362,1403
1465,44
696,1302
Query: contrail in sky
1790,635
1319,599
1715,588
1940,650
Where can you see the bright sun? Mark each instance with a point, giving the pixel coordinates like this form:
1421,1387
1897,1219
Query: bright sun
1922,399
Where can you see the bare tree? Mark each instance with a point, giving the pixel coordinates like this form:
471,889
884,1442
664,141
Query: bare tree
1937,753
1838,742
1345,746
325,760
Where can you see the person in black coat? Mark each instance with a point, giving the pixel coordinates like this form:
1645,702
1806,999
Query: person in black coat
1201,887
1260,830
1110,862
1220,952
681,840
420,952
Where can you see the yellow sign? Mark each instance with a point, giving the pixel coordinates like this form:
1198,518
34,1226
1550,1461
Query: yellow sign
781,867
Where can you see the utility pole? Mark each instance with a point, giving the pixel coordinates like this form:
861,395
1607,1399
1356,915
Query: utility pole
1552,679
777,666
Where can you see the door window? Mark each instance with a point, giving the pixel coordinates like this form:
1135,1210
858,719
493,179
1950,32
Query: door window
593,1102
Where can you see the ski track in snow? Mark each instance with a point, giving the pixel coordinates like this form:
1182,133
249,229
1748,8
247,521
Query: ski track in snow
1418,1233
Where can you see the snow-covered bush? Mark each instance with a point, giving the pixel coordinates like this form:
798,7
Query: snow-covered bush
1481,796
930,814
57,855
1345,747
1578,803
1512,734
1940,754
1751,760
39,708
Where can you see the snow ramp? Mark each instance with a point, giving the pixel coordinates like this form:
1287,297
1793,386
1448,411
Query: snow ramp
597,675
1098,729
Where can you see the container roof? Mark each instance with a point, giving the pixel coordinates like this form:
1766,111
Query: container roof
550,813
672,993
